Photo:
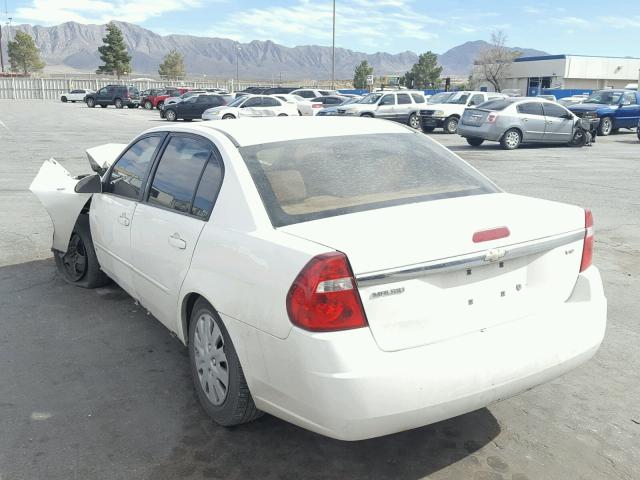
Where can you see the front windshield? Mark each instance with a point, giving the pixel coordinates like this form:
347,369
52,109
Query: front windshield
238,101
458,99
605,97
440,97
371,98
351,100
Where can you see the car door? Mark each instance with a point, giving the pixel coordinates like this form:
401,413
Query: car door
167,224
187,108
559,123
251,108
112,210
531,120
102,96
628,113
404,108
386,107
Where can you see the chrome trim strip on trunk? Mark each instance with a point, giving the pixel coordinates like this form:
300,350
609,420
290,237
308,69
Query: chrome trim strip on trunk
471,260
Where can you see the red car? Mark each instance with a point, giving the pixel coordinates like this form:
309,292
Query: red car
157,97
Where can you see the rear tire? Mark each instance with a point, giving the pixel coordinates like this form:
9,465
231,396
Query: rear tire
148,105
79,264
216,371
606,126
475,141
63,99
414,121
511,139
451,125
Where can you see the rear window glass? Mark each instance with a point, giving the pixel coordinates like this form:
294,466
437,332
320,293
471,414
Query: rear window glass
495,104
314,178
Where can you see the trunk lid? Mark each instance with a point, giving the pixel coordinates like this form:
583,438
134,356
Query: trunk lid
423,279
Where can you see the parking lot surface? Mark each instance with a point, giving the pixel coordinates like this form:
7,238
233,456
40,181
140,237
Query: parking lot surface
91,386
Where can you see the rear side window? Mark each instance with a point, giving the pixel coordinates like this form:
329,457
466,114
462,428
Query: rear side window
403,99
270,102
418,98
495,105
306,93
178,172
552,110
530,108
130,170
253,102
307,179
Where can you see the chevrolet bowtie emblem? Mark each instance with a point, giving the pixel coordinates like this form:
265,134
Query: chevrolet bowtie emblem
495,254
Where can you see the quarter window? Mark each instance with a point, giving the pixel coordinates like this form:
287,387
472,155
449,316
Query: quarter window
552,110
207,189
417,98
178,172
130,170
531,108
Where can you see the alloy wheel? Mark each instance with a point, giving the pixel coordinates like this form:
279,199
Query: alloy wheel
512,139
75,259
414,121
211,360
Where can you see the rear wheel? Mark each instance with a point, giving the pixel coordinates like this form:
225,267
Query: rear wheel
79,264
451,125
217,374
228,116
511,139
171,115
91,103
118,103
148,105
475,141
63,99
414,121
606,126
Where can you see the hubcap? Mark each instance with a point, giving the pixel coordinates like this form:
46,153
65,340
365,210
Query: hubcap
512,139
606,125
452,125
170,115
210,358
413,121
75,260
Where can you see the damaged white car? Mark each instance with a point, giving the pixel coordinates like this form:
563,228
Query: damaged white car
350,276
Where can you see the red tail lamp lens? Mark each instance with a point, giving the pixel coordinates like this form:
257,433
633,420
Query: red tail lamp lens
587,248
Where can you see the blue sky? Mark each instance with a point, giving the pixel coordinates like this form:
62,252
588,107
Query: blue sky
592,27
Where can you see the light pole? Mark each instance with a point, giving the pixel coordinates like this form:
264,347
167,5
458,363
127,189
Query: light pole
238,67
333,48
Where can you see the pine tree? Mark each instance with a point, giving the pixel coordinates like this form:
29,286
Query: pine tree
360,75
173,66
114,53
23,54
425,73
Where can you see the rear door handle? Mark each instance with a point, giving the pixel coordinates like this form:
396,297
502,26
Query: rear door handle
177,242
123,220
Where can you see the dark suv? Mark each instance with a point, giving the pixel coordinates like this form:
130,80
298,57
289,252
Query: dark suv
117,95
192,107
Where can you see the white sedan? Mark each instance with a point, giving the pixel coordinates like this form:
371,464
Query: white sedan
252,106
76,95
348,275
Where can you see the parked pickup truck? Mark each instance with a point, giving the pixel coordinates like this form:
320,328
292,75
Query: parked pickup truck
615,108
446,115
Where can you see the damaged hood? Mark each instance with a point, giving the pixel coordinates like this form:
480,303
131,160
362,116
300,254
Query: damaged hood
103,156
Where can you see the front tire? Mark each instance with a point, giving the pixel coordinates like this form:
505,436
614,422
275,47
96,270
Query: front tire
79,264
606,126
91,103
475,141
451,125
228,116
63,99
217,374
414,121
511,139
170,115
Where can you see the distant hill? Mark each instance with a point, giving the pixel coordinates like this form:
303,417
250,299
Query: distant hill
73,47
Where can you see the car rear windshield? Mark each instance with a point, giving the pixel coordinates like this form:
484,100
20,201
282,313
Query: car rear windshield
500,104
313,178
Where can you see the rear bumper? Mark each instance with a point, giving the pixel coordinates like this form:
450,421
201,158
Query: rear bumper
485,131
343,386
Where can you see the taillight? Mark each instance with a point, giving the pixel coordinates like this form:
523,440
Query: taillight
491,118
587,248
323,296
316,105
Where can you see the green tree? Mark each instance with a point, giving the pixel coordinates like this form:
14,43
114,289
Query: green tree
360,75
425,73
23,54
173,66
114,53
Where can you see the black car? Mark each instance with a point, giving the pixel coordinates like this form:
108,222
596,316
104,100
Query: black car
192,107
117,95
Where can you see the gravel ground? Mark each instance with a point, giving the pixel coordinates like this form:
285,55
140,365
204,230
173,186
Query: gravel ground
93,387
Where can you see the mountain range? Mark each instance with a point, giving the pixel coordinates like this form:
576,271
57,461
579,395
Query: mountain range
73,47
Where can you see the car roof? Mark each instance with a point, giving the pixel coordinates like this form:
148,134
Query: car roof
256,131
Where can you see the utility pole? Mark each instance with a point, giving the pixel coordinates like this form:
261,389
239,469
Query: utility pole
237,67
333,49
1,55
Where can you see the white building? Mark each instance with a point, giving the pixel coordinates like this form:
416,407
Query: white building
570,72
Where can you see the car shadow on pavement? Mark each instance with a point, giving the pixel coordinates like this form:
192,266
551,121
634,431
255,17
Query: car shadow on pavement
95,387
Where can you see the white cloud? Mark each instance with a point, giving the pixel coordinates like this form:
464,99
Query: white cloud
622,22
53,12
571,21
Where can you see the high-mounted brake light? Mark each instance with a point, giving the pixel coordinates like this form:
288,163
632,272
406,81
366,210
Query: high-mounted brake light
491,234
491,118
324,297
587,247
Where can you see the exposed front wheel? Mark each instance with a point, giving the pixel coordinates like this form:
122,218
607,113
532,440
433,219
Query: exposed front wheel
79,264
451,125
170,115
217,374
91,103
228,116
511,139
414,121
475,142
605,127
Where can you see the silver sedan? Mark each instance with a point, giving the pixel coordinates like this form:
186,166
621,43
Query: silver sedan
516,120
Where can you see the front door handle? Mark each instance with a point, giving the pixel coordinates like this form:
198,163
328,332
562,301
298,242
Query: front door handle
177,242
123,220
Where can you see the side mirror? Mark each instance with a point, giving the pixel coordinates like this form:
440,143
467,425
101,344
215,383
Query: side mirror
624,103
568,116
89,184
